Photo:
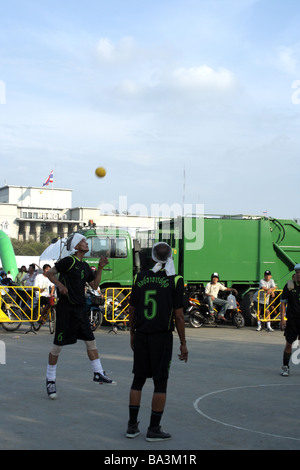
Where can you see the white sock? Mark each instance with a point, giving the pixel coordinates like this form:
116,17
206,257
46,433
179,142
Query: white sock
51,373
96,366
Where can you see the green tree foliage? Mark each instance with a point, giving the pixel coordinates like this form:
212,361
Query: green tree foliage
32,248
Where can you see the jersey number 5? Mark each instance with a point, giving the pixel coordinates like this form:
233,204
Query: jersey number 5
150,304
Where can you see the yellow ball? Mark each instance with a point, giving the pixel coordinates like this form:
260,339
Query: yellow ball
100,172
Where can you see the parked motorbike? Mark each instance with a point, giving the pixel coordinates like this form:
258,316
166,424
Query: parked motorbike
94,307
197,312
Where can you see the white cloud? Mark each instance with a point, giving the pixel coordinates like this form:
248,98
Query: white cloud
203,77
180,86
122,51
286,60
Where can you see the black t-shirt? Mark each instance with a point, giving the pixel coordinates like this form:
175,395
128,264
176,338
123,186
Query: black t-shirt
6,281
154,297
292,297
74,274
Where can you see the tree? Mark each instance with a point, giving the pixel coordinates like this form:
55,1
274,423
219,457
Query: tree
32,248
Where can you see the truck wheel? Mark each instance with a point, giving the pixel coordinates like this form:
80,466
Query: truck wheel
248,309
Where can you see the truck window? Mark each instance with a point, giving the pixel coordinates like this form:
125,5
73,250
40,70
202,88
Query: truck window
89,242
99,247
120,248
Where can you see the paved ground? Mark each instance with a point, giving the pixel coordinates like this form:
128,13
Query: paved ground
230,394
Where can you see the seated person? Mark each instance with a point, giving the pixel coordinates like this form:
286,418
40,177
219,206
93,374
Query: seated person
212,290
4,280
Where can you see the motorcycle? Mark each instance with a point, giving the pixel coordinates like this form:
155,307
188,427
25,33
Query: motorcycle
197,312
94,307
114,310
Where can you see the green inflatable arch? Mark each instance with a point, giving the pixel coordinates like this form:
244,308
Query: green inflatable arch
7,255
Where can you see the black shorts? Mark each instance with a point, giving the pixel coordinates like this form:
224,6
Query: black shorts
260,309
72,323
152,354
44,301
292,330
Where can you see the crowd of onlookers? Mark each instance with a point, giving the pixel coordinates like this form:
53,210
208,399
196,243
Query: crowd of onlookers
33,277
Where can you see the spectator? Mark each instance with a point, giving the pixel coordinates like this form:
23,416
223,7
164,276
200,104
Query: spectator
267,287
20,275
29,278
28,281
212,290
46,288
5,281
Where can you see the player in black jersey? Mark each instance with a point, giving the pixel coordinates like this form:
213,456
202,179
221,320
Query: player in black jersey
156,301
72,322
290,309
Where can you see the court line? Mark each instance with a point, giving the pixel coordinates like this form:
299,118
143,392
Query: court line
239,427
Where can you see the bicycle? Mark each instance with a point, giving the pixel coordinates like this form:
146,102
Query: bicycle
14,315
49,315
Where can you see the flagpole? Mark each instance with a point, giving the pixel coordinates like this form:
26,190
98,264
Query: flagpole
183,192
52,192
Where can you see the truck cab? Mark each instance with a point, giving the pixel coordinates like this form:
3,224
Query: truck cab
117,245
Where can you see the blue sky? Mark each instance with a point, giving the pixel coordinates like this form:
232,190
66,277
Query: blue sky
148,89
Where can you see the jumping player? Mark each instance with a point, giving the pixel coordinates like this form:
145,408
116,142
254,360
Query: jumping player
72,323
156,300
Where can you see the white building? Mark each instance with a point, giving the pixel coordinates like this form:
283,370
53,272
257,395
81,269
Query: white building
27,212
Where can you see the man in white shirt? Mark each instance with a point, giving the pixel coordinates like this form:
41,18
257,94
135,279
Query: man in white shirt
46,288
28,281
212,290
29,278
266,288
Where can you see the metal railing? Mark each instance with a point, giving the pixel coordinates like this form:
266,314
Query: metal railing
17,304
271,306
116,304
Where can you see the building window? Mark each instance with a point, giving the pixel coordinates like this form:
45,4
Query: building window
5,226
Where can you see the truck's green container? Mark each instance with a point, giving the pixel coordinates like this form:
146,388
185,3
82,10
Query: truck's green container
239,248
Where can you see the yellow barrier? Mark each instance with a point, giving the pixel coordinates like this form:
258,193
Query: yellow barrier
17,304
271,306
116,304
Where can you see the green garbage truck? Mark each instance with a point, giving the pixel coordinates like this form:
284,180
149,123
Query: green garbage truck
239,247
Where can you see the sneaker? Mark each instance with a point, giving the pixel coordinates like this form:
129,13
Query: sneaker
103,379
132,430
157,434
270,329
285,371
258,328
51,389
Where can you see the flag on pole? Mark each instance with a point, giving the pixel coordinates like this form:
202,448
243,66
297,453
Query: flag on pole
49,179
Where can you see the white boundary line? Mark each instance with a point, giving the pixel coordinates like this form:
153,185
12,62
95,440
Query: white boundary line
238,427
